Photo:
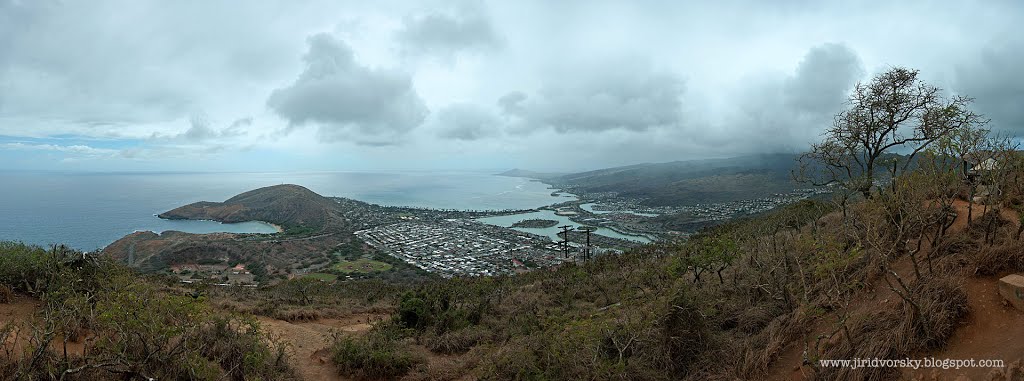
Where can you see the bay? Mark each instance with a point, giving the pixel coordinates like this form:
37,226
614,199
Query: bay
90,210
552,232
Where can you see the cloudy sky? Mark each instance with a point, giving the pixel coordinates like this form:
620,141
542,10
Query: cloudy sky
549,85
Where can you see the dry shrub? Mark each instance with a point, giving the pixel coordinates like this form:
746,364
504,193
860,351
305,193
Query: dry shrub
757,352
454,342
755,318
686,333
1012,372
245,351
460,367
899,329
297,315
516,360
6,295
1005,257
380,354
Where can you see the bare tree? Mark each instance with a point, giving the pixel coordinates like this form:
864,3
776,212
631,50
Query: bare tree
994,175
895,112
965,145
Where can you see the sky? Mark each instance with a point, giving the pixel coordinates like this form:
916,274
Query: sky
206,85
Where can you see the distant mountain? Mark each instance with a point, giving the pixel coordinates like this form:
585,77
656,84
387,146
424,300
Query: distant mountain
689,182
286,205
529,174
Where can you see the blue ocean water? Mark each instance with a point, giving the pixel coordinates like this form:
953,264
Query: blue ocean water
90,210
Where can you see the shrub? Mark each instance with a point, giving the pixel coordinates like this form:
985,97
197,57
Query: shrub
458,341
379,354
6,295
240,347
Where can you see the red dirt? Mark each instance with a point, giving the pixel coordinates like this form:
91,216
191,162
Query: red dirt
18,313
992,329
310,341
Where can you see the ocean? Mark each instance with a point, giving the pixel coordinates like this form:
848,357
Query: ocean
88,211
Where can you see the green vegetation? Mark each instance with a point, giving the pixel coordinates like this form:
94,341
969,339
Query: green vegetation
361,265
299,230
132,326
306,298
377,355
535,223
322,276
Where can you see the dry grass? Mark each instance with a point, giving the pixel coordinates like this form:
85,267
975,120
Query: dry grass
1013,372
898,329
1007,256
6,295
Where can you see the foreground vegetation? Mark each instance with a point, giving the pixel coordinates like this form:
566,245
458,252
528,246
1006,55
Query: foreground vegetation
125,326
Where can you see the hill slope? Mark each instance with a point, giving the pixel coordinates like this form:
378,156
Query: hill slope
287,205
689,182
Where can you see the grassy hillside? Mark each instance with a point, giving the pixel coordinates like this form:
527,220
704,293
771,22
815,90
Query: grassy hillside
98,320
689,182
286,205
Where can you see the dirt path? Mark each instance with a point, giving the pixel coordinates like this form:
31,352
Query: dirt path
18,312
992,330
309,342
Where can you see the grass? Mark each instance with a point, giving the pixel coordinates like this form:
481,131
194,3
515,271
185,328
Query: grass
322,276
361,265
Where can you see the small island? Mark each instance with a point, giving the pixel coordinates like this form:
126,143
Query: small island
535,223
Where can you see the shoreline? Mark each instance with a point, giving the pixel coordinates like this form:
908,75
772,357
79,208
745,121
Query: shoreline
276,227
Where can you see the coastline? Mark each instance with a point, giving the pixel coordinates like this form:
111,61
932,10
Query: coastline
276,227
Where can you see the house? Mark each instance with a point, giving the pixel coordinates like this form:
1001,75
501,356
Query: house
977,164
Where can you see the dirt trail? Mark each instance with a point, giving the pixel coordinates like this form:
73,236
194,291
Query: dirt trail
992,330
18,312
20,309
309,342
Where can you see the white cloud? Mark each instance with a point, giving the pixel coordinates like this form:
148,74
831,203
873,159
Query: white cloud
348,101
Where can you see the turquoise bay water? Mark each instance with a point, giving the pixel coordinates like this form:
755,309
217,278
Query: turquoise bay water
90,210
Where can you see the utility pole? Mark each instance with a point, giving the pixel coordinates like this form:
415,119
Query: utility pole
564,244
586,249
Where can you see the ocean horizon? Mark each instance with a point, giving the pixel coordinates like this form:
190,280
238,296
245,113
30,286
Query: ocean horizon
89,210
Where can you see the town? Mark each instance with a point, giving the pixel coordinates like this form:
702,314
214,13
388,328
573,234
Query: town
451,248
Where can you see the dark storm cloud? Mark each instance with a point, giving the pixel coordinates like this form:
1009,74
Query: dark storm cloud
467,122
994,79
444,34
348,101
823,79
788,112
630,97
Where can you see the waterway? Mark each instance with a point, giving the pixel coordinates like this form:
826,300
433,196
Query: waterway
207,226
552,232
